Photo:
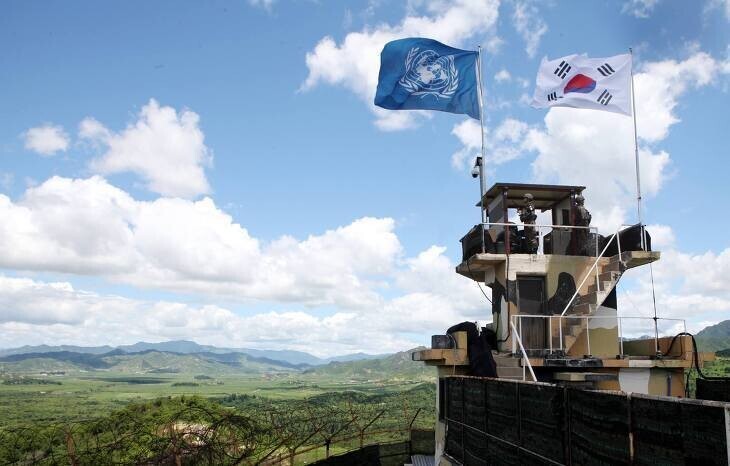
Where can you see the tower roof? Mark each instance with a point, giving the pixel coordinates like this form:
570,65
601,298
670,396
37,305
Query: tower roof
545,195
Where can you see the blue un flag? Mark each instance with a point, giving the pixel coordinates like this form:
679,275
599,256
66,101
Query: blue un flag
423,74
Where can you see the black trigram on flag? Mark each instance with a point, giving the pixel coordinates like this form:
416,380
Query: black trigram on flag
606,70
562,69
553,96
604,98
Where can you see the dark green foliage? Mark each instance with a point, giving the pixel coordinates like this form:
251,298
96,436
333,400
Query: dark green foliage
193,429
133,380
29,381
221,431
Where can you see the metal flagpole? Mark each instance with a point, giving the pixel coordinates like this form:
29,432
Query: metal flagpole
636,153
638,204
482,186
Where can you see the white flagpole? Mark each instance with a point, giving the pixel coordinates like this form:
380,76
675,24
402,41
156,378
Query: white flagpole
636,153
482,186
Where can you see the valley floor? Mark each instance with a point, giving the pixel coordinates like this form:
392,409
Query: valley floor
62,398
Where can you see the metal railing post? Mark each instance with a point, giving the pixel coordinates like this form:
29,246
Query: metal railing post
620,338
618,244
550,331
524,354
514,342
560,330
588,334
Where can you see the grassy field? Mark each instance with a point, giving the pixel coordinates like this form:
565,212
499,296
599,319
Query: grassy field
36,398
127,417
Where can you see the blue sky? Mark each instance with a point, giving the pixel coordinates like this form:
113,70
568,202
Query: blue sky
211,159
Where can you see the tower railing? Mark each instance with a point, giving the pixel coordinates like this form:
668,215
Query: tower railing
541,231
524,355
517,328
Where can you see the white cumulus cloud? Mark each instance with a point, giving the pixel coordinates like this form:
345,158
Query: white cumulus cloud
502,76
432,299
166,148
89,227
503,143
639,8
46,140
529,24
689,286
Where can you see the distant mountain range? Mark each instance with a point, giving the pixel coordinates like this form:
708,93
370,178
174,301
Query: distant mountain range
395,366
190,347
149,360
715,337
145,362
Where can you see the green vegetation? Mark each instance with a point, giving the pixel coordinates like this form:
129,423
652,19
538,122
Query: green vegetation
29,381
194,430
720,367
128,417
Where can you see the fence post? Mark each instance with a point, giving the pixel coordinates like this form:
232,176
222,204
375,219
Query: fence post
362,431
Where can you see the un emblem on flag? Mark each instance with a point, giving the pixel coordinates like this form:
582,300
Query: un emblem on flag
427,73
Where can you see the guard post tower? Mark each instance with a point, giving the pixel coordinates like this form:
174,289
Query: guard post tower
553,281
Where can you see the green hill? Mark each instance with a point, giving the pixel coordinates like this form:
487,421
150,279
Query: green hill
398,366
715,337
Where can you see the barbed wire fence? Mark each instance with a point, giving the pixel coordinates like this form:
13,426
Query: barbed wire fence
197,432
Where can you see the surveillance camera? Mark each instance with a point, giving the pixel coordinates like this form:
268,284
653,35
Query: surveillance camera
475,172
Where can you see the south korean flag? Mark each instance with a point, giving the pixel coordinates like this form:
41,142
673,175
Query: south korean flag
582,82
